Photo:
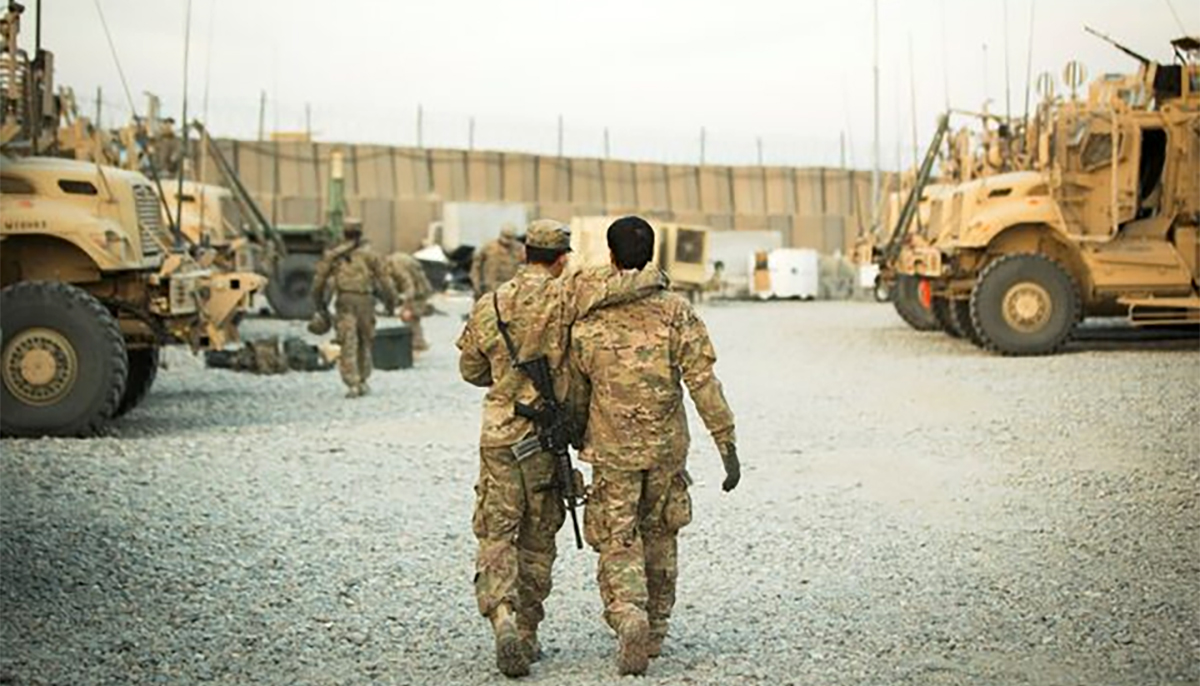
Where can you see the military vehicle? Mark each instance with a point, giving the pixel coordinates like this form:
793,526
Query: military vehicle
91,282
1109,224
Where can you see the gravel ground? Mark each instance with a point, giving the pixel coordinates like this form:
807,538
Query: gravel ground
912,511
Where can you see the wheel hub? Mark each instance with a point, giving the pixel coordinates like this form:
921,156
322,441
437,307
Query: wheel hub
40,366
1027,307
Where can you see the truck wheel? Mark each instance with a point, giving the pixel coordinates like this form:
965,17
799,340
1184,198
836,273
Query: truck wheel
1025,304
911,305
940,307
290,289
960,317
143,369
64,364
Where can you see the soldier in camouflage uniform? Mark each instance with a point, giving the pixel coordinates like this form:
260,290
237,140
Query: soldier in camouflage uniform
496,262
516,517
627,361
414,288
356,271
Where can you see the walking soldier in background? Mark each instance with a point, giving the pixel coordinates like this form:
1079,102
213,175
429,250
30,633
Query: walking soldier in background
518,506
496,262
414,288
355,272
627,361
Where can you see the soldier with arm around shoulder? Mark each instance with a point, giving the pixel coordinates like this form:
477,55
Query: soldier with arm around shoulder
632,361
516,516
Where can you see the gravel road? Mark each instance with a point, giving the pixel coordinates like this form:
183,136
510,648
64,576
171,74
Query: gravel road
912,511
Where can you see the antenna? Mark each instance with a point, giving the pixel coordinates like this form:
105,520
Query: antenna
212,20
875,156
1178,21
187,44
162,197
1029,61
1007,81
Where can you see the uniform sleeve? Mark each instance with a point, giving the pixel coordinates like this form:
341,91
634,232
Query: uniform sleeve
696,357
579,392
587,290
477,270
406,285
473,364
320,278
382,279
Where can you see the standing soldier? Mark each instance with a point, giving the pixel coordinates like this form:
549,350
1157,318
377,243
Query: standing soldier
496,262
627,362
414,288
356,271
516,517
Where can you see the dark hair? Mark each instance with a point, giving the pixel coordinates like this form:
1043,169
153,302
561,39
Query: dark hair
535,255
631,240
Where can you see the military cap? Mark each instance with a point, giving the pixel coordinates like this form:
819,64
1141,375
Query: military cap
508,231
549,234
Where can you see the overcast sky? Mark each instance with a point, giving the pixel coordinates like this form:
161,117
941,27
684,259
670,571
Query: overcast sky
793,72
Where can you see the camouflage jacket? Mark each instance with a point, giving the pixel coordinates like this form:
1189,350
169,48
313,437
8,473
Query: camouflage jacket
539,310
494,264
409,277
627,362
351,267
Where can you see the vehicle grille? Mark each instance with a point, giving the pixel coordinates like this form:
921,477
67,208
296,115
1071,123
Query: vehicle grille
149,220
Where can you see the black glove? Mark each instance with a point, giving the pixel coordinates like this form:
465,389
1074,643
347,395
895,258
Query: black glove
733,468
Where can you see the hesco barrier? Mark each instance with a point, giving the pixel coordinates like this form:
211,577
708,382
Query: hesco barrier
398,191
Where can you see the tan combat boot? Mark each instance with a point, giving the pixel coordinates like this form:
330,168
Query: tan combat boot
511,657
634,637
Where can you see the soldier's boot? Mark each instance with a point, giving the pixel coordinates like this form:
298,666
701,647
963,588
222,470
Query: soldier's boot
533,649
633,635
363,389
354,391
658,633
511,657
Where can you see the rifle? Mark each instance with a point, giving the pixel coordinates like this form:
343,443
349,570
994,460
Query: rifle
552,420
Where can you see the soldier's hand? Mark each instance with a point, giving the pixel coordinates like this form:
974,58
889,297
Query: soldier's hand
733,468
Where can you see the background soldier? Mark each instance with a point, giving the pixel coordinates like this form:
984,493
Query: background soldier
355,271
496,262
627,361
516,517
414,288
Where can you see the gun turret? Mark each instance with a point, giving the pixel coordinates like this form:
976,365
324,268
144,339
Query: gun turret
1146,61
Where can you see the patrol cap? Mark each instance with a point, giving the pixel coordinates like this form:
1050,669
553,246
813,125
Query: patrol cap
508,231
549,234
352,225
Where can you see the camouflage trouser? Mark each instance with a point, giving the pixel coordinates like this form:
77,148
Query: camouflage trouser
515,521
633,520
354,322
419,307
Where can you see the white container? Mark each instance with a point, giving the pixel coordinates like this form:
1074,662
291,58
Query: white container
792,273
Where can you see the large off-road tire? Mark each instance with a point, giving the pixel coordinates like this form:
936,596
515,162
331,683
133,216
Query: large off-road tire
910,305
63,361
940,307
143,369
290,289
960,318
1025,304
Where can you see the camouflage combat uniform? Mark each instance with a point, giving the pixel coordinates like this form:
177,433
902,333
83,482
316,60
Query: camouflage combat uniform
355,271
515,519
495,263
627,362
414,288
